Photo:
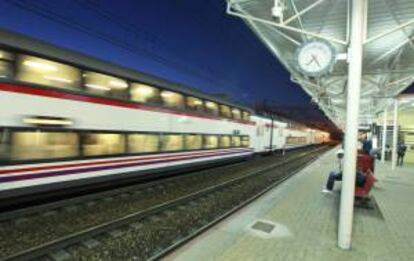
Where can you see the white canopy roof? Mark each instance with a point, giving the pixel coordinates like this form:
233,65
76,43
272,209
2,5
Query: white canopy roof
388,62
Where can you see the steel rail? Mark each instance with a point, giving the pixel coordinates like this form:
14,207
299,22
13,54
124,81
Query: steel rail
228,213
103,194
77,237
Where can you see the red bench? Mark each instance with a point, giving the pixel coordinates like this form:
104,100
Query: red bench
362,192
365,162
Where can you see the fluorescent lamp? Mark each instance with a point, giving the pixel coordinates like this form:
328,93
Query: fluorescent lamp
58,79
97,87
47,121
40,65
405,101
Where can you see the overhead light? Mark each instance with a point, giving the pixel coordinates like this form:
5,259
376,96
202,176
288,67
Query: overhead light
341,56
50,121
97,87
198,102
120,84
40,65
404,101
277,9
58,79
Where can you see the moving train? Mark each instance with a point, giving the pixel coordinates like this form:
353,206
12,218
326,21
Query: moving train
69,120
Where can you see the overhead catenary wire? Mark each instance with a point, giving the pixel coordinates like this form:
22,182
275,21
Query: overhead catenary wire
34,7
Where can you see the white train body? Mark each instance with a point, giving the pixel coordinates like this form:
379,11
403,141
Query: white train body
93,116
53,138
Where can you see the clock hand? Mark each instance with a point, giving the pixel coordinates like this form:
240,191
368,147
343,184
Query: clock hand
310,61
316,60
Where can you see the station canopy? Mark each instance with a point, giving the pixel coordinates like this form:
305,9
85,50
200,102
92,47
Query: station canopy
388,60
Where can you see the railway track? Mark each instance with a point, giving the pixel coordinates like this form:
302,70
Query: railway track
15,212
229,195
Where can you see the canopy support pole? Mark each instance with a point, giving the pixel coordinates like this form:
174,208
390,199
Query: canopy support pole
355,53
384,135
395,135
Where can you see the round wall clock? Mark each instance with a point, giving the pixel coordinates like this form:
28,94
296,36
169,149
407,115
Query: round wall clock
315,58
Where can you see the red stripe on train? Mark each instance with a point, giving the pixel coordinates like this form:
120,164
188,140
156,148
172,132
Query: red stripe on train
100,100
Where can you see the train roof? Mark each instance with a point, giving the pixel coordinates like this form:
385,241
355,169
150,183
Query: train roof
43,49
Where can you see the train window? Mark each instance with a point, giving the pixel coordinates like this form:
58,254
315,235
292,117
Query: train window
225,111
30,145
195,104
211,142
6,65
193,142
235,141
4,143
225,141
212,108
6,56
245,141
172,99
145,93
236,113
246,116
139,143
95,144
171,142
102,84
41,71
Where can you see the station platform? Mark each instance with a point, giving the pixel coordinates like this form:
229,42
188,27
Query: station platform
295,221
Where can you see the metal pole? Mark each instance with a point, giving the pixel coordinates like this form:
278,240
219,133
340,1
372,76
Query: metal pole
384,135
395,135
271,134
355,53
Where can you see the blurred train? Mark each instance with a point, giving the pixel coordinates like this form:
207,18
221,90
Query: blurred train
68,120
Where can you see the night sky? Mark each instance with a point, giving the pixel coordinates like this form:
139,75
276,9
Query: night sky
192,42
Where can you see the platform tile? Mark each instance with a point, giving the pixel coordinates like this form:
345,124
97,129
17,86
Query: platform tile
312,220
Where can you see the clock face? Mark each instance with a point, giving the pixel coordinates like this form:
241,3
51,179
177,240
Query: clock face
315,58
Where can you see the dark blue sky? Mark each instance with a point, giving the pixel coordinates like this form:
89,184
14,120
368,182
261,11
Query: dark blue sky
192,42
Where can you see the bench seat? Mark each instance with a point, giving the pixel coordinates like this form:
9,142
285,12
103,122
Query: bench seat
363,192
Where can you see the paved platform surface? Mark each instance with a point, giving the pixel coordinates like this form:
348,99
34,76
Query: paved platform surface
304,222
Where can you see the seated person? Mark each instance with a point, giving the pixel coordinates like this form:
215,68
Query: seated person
366,145
339,159
359,179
